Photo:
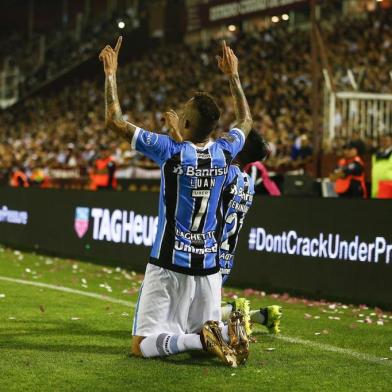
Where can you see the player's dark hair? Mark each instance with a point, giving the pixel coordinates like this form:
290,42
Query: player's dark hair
255,148
208,114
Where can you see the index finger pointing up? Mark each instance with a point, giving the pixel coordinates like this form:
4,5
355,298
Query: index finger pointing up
118,44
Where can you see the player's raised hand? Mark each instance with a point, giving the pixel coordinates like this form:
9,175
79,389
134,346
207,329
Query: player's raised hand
109,57
172,122
228,62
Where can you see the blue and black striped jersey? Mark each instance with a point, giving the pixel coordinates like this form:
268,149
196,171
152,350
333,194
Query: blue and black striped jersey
192,180
237,199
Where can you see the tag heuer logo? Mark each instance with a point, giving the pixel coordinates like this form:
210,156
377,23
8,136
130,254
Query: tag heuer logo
82,215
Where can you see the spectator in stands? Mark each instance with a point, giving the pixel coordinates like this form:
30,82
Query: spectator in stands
301,152
382,169
103,173
64,127
361,146
349,176
19,178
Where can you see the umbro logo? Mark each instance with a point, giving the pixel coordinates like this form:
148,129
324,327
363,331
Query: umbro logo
178,170
234,190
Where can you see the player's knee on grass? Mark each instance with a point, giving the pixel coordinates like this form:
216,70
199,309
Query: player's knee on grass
135,347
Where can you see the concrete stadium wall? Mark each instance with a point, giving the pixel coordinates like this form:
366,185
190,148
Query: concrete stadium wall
321,248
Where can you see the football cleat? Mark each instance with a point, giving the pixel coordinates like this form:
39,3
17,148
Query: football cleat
238,337
212,341
243,305
272,315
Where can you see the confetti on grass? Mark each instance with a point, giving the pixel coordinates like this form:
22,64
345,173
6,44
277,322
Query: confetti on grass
106,287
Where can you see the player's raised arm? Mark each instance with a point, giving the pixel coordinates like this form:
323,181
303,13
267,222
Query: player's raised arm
228,64
172,122
113,114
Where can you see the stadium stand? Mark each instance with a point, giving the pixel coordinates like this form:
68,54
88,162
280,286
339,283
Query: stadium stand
59,134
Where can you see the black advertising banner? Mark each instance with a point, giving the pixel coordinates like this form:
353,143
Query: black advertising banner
109,227
324,248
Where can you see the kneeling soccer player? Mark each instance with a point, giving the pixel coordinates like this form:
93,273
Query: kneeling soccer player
179,306
236,200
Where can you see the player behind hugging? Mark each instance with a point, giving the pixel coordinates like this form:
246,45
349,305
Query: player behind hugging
237,198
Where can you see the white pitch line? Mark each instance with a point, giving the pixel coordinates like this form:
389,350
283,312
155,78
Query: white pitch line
335,349
289,339
69,290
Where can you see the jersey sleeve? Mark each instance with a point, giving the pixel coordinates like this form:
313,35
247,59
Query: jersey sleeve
155,146
231,175
233,141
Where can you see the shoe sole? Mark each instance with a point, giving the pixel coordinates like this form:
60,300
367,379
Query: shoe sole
228,358
241,347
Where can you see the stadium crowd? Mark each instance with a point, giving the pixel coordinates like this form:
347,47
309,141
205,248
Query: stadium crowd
63,130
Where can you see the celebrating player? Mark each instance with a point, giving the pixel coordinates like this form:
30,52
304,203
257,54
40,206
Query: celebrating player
236,200
181,293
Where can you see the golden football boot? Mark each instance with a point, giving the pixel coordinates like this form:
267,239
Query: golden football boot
239,340
212,341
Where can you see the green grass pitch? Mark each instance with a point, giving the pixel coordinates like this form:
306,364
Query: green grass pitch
53,340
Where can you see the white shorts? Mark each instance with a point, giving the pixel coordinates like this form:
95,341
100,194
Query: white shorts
175,303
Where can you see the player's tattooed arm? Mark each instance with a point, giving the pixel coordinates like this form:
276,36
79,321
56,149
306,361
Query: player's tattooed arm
113,114
241,107
228,64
